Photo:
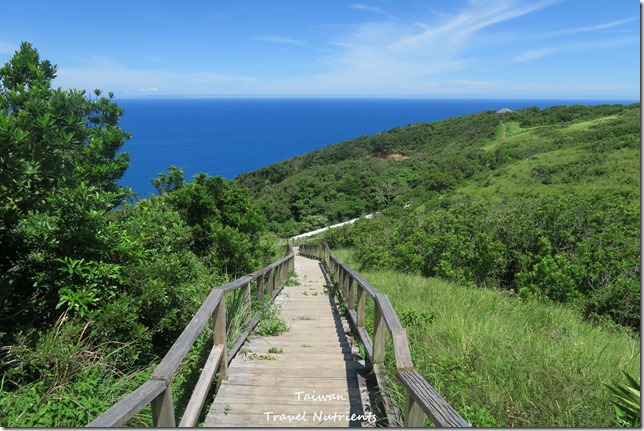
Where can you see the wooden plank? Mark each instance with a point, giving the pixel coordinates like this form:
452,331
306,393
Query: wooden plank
434,406
341,388
234,285
295,343
293,370
220,338
388,312
378,336
198,398
260,288
279,380
298,356
294,401
133,403
360,310
401,350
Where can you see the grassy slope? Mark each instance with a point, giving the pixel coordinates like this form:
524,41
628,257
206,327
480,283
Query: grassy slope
503,361
557,150
575,164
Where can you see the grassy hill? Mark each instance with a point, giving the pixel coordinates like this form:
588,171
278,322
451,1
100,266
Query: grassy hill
487,155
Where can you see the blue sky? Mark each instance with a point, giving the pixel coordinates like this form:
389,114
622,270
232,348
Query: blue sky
586,49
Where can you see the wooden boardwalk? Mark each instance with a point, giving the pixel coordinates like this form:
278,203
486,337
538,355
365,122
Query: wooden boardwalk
316,379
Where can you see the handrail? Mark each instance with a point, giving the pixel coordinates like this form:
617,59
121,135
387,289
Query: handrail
157,391
421,398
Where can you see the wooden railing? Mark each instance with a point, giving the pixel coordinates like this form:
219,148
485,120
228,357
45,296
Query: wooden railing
157,391
421,398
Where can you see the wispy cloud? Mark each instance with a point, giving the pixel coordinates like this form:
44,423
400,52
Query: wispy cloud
282,40
401,55
585,46
367,8
588,29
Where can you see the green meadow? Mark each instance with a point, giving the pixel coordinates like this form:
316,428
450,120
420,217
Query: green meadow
501,360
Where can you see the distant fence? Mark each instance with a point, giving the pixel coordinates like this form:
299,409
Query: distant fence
421,398
157,391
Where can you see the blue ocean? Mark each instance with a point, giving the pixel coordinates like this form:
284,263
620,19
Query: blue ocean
228,137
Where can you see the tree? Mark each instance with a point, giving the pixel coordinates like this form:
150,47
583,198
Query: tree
59,166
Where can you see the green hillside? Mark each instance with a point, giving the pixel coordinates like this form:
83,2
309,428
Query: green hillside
542,203
489,155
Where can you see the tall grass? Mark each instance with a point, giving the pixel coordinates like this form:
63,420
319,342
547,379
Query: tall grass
503,361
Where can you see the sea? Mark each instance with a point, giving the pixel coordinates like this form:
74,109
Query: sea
228,137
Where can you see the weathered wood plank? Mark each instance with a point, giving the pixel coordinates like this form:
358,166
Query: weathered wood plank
401,350
388,312
275,380
434,406
220,338
124,410
379,336
198,398
317,371
360,310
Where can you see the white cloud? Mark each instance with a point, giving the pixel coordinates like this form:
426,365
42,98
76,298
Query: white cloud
150,90
282,40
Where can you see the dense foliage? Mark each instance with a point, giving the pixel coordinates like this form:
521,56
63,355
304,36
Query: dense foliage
582,250
94,289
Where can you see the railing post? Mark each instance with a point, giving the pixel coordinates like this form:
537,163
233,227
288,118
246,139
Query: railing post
271,282
219,337
246,302
163,410
379,329
260,288
414,415
350,296
361,306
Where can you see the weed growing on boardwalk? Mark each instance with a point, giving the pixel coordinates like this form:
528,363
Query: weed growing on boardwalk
270,322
